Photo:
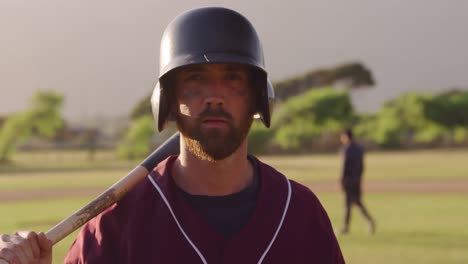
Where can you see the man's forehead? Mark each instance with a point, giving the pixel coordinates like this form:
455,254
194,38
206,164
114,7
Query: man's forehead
215,66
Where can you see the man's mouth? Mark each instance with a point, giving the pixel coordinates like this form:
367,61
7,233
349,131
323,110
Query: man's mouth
214,121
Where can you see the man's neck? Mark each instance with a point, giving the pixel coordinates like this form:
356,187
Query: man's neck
213,178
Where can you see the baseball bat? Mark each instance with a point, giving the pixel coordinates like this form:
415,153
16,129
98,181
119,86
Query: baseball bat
113,193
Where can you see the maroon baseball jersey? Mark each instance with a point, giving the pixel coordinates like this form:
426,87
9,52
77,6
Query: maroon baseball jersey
153,223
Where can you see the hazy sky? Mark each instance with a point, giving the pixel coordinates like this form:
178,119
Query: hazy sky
103,55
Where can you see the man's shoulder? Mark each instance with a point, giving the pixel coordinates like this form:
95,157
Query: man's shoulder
357,146
268,171
142,191
304,194
298,190
354,148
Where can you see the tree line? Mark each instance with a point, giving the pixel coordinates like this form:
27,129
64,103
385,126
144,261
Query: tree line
309,115
311,112
312,122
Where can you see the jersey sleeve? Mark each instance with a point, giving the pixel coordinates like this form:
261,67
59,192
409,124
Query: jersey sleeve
322,244
97,242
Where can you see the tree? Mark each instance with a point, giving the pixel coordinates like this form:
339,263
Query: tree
142,108
449,109
16,128
46,113
259,137
351,75
43,118
303,119
2,120
137,140
404,121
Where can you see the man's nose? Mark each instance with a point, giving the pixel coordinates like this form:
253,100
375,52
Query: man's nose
214,101
215,96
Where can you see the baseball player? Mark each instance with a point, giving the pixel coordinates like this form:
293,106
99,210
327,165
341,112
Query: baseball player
212,203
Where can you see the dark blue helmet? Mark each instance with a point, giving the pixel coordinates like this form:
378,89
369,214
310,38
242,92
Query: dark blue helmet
210,35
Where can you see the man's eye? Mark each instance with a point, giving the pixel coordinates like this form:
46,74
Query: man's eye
194,77
189,93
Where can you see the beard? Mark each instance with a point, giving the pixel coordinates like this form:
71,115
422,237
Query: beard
213,144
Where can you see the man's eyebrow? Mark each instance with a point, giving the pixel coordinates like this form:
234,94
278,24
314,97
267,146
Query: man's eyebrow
193,68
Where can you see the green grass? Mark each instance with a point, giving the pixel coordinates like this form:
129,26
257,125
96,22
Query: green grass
59,169
60,179
411,228
427,165
41,216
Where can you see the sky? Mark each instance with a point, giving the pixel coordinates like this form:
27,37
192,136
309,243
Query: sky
104,55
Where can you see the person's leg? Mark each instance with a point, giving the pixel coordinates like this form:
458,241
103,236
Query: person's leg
347,218
364,211
366,214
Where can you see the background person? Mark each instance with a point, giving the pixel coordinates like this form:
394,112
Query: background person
351,179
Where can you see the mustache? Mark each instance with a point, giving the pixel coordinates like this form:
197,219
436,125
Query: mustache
210,112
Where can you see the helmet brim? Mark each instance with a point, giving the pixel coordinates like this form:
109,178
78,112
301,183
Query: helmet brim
186,60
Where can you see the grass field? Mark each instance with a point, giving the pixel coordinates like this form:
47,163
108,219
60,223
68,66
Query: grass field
412,227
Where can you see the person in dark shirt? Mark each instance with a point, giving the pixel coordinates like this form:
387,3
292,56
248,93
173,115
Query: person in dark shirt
351,179
213,202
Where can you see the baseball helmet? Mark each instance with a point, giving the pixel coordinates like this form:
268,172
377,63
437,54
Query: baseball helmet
210,35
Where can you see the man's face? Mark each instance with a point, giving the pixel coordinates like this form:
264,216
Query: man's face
344,139
213,108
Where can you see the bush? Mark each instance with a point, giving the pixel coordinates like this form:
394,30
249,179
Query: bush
137,140
304,119
259,138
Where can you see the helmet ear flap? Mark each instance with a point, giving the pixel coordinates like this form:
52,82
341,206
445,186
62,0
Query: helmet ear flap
264,97
161,106
266,103
270,100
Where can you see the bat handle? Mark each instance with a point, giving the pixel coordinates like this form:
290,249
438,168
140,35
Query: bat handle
115,192
95,207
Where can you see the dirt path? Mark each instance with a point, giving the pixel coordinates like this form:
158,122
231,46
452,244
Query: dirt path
458,186
453,186
47,194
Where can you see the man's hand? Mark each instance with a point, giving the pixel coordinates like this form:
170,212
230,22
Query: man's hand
25,247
